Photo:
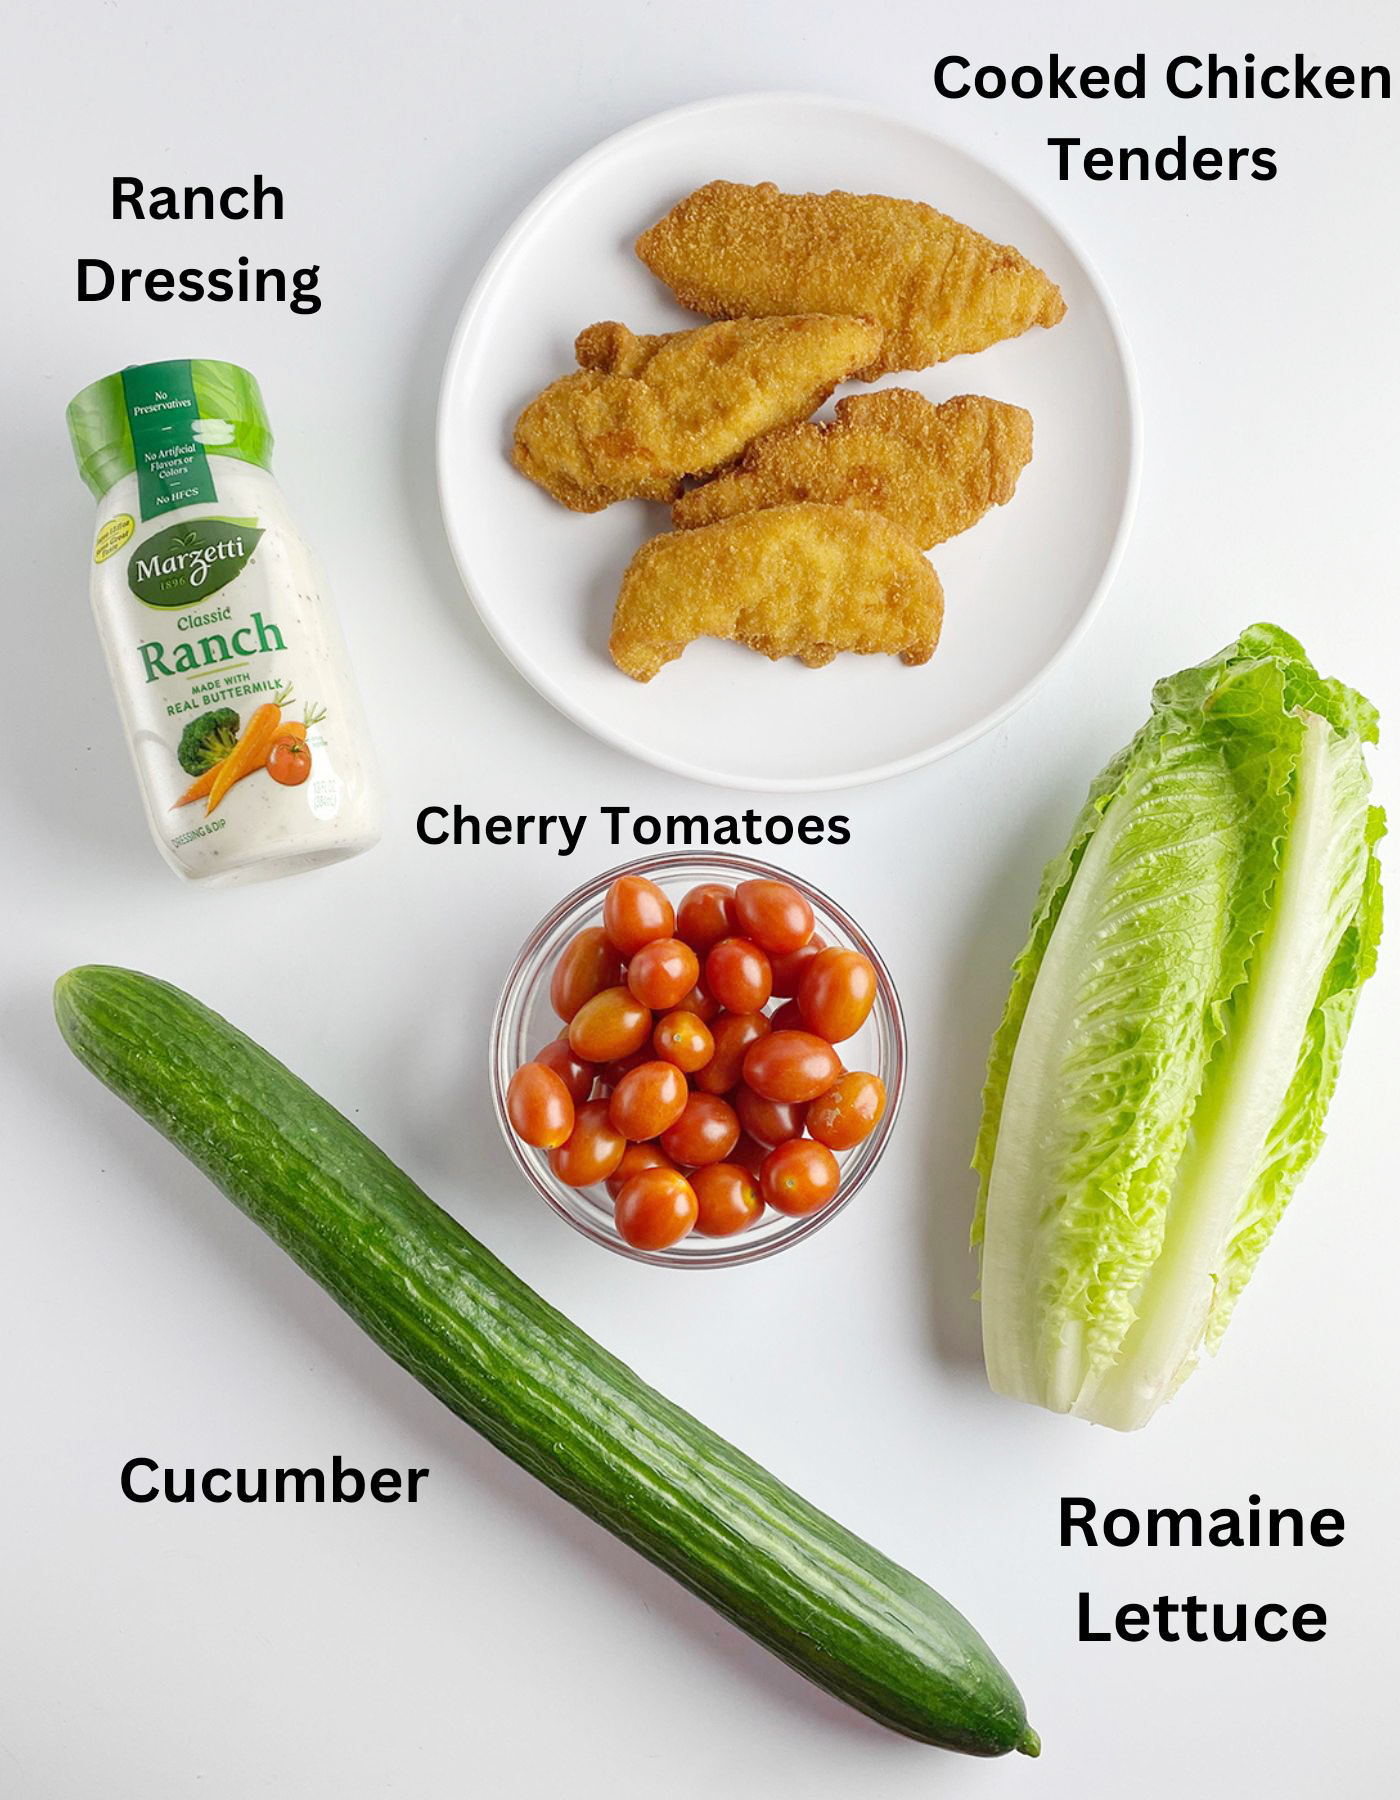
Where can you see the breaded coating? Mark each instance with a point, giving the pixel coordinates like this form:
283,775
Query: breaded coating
802,580
939,288
645,412
933,470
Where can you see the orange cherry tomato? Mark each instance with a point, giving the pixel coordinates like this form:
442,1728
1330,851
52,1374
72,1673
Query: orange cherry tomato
791,1065
587,964
706,915
648,1100
701,1002
610,1025
576,1075
610,1073
662,973
289,761
739,975
800,1177
683,1038
727,1199
592,1150
773,915
705,1132
847,1113
787,970
539,1106
787,1017
635,1158
734,1034
770,1121
655,1209
836,994
635,912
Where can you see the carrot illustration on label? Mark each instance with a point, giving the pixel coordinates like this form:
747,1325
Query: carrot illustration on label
251,750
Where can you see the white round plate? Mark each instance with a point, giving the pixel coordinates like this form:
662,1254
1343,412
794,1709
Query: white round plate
1019,587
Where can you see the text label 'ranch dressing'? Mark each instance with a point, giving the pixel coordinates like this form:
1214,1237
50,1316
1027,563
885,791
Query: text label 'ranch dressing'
226,658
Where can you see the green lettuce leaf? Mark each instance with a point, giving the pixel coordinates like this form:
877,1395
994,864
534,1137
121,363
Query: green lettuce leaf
1158,1082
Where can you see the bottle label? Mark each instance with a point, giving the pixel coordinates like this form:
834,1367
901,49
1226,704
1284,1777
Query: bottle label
172,469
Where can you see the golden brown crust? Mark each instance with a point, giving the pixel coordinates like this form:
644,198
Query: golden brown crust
939,288
695,400
932,470
806,581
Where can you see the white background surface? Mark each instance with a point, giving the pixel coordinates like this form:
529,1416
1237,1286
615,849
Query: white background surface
489,1640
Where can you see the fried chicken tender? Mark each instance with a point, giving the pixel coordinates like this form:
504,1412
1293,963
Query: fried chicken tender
643,412
939,288
803,580
933,470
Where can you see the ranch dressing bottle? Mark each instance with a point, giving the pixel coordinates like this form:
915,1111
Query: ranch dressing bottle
227,662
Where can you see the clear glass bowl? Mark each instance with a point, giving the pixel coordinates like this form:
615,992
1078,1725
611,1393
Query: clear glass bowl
525,1022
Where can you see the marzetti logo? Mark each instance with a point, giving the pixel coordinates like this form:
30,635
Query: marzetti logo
187,562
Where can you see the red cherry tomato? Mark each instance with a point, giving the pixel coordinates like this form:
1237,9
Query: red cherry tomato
739,975
289,761
706,915
787,1017
787,970
539,1106
587,964
770,1121
734,1034
576,1075
648,1100
610,1025
847,1113
836,994
683,1038
655,1209
791,1065
749,1154
635,912
800,1177
705,1132
727,1199
635,1158
701,1002
592,1150
773,915
610,1073
662,973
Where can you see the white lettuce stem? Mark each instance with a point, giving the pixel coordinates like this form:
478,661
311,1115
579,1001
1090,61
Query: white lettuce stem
1244,1092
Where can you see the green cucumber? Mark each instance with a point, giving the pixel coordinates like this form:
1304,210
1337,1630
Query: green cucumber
541,1390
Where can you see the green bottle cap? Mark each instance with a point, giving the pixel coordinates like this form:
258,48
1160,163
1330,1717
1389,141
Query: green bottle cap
231,419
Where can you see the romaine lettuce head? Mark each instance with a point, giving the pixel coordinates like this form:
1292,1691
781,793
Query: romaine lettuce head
1158,1083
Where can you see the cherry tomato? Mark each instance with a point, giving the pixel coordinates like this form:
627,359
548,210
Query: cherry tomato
587,965
705,1132
539,1106
727,1198
289,761
635,1158
791,1065
610,1025
635,912
662,973
576,1075
706,915
739,975
770,1121
648,1100
847,1113
734,1034
592,1150
656,1208
800,1176
773,915
610,1073
787,970
683,1038
836,994
749,1154
701,1002
787,1017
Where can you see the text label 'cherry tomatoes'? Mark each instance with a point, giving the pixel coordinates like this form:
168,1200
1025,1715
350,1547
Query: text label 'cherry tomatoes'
705,1132
800,1177
648,1100
662,973
634,912
656,1209
539,1106
727,1199
587,965
739,975
773,915
847,1113
592,1150
610,1025
836,994
791,1065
